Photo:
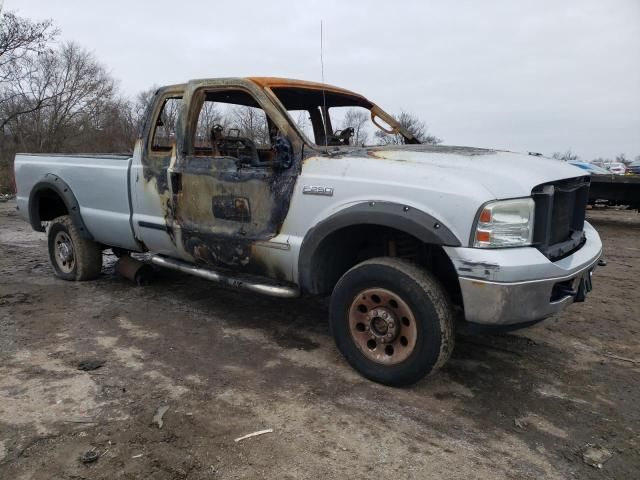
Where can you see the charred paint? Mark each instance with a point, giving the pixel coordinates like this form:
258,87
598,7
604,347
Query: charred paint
222,236
228,207
277,82
216,209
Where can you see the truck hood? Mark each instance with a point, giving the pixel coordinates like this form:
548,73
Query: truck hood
504,174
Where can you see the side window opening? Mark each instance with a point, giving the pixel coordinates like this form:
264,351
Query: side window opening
232,124
303,121
342,119
164,129
352,126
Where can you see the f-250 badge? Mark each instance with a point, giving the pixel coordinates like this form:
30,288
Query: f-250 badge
317,190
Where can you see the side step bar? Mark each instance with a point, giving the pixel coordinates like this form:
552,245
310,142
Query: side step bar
252,284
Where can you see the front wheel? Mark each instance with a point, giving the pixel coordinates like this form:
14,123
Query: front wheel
392,320
72,256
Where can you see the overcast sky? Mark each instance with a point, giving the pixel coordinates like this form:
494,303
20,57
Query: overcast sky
522,75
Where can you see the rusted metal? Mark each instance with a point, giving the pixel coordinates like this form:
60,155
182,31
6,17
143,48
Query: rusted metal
277,82
134,270
382,326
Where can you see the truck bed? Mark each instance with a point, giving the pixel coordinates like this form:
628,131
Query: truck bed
617,189
100,184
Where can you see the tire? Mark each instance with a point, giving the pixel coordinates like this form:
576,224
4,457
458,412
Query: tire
72,257
400,310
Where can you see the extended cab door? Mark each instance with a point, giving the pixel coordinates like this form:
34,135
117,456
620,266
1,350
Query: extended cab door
154,152
234,175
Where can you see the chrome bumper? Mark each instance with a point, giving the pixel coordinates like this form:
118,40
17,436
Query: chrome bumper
492,294
493,303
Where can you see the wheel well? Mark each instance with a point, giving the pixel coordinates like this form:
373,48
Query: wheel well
50,205
348,246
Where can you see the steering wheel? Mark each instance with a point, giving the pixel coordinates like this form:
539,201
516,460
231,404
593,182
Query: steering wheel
242,148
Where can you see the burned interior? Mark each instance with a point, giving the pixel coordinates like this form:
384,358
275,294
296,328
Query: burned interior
336,118
314,113
230,123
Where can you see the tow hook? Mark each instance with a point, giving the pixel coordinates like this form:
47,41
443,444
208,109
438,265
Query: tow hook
602,262
566,291
584,287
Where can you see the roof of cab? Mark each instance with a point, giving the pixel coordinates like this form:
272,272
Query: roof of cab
277,82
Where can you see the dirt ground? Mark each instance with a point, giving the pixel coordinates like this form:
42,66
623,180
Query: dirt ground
519,405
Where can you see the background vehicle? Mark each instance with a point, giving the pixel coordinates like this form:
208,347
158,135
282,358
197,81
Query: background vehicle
590,168
617,168
224,184
607,188
634,167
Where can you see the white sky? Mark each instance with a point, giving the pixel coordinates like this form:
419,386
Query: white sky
538,75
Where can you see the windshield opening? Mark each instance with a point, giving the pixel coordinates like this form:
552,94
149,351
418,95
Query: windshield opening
337,119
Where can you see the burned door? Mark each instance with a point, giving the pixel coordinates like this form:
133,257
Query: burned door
233,182
153,155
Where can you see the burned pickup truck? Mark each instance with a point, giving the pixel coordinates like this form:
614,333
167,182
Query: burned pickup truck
288,188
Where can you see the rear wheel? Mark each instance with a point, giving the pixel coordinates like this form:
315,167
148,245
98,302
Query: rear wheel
392,320
72,256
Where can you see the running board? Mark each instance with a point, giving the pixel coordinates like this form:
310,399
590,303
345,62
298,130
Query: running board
252,284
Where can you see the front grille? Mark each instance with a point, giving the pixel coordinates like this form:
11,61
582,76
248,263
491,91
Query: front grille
559,216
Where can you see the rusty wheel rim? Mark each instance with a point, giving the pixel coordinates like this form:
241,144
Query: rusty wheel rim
382,326
64,254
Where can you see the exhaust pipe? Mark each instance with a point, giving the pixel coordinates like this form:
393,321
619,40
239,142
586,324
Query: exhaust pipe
134,270
242,283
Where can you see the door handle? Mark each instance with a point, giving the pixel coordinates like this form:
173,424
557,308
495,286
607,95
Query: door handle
176,182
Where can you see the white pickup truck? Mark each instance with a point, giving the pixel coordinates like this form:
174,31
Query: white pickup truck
268,185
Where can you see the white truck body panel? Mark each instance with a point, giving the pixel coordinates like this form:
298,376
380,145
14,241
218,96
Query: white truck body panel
450,187
100,184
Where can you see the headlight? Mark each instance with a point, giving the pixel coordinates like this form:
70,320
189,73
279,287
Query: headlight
505,223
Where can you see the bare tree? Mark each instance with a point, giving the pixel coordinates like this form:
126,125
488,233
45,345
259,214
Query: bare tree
77,89
622,158
20,40
209,116
20,37
141,105
68,102
567,156
303,122
414,125
58,99
251,122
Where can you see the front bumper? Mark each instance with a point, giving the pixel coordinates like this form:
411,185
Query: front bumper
500,287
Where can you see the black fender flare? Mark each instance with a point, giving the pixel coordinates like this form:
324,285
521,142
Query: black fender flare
55,183
400,217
